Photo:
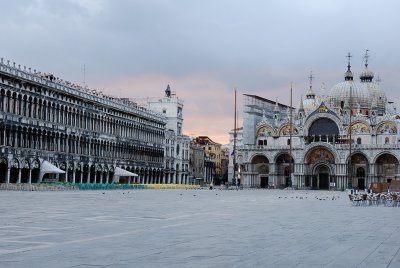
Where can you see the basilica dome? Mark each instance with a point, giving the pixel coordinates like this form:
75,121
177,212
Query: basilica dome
361,96
309,105
378,95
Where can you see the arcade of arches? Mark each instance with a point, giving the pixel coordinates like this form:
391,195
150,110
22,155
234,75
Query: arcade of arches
321,171
29,172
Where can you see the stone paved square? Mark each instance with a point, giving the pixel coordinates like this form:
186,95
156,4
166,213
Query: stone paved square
195,228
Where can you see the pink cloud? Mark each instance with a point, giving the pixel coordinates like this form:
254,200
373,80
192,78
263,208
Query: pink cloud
208,102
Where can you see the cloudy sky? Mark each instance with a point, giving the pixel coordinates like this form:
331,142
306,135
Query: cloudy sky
203,49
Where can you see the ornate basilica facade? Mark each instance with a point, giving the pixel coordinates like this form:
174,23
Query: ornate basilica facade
346,138
81,131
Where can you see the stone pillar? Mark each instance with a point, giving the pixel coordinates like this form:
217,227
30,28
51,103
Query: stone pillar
19,175
30,176
8,175
73,176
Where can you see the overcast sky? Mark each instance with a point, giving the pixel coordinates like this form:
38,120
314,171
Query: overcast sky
204,49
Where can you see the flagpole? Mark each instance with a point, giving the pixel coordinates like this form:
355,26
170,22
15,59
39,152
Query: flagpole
291,130
234,146
350,140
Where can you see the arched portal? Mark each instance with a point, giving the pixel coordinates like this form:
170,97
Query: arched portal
284,163
3,170
386,166
92,173
99,173
359,168
318,171
321,177
14,171
86,174
260,166
35,170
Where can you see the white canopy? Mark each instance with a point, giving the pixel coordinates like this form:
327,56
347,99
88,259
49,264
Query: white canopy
48,167
122,172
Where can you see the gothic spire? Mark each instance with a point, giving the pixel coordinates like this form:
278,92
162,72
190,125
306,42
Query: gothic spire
348,76
366,75
310,93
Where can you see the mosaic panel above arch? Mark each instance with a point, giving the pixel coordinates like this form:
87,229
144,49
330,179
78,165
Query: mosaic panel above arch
320,154
285,130
259,158
360,128
387,128
265,131
359,158
386,158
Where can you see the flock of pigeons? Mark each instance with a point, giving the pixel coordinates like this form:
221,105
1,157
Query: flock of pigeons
316,197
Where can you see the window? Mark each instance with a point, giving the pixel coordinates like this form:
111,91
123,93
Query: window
265,142
387,140
288,142
358,140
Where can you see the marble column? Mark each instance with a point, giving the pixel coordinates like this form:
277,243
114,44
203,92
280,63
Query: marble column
19,175
8,175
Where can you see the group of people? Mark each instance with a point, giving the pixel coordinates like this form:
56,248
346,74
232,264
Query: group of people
389,199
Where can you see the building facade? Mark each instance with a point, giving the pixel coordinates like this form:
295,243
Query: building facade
81,131
178,145
213,152
346,137
196,164
224,164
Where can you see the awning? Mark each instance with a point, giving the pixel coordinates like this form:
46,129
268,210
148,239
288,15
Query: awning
47,167
122,172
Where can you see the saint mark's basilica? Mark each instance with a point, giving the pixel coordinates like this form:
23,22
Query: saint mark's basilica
353,119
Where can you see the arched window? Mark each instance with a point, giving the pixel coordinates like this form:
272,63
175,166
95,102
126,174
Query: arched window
265,142
358,140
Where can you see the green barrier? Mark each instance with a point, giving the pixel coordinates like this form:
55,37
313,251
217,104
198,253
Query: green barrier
108,186
95,186
112,186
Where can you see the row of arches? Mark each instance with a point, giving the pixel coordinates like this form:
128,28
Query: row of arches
47,140
326,128
78,117
26,171
320,169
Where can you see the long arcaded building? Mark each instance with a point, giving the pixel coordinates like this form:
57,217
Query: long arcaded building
81,131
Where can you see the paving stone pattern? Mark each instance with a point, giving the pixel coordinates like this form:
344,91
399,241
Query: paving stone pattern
195,228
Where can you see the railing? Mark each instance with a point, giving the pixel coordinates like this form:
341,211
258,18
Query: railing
336,146
79,91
